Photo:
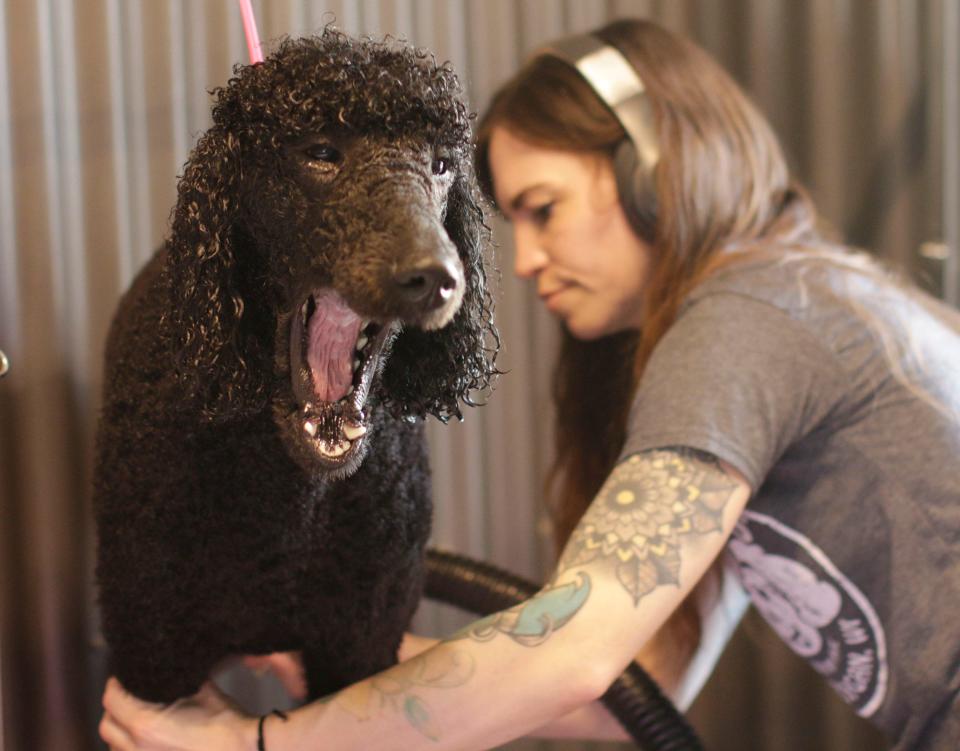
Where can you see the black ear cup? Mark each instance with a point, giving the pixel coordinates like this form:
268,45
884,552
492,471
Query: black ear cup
636,189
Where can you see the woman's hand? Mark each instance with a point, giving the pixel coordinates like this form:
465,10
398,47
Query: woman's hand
205,722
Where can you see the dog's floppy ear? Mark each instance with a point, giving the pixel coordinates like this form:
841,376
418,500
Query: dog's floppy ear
431,372
205,303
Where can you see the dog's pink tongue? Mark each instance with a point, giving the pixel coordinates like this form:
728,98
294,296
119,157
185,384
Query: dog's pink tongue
331,338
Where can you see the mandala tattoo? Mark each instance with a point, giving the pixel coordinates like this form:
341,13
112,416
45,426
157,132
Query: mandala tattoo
648,504
534,621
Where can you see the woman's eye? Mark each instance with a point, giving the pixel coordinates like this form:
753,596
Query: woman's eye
440,166
541,214
321,152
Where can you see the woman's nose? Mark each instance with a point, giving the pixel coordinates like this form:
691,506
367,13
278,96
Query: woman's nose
529,256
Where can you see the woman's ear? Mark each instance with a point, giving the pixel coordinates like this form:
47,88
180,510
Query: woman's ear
431,372
206,306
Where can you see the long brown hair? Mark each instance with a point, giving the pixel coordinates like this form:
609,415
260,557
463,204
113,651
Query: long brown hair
721,183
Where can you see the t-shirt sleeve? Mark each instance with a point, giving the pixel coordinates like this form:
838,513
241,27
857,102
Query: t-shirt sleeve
737,378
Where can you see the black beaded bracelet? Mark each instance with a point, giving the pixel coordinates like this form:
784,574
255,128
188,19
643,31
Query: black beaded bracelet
278,713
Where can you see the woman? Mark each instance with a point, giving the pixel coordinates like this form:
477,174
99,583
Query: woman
716,350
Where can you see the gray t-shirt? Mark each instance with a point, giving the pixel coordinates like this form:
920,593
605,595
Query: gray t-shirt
837,394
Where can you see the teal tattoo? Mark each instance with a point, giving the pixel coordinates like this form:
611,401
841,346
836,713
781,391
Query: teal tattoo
641,515
534,621
399,689
418,716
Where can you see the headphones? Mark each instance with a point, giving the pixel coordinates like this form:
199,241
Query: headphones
618,85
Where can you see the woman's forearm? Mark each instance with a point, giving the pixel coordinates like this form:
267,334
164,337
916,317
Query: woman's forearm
460,694
500,678
590,722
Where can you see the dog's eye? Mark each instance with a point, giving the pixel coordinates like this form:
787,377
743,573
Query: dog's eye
440,166
322,152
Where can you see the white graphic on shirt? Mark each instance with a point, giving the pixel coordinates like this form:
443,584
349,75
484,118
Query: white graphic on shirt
789,596
814,608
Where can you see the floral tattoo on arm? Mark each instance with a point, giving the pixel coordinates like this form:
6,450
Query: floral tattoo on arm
635,525
638,520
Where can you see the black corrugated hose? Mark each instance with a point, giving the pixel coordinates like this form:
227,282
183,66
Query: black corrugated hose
634,699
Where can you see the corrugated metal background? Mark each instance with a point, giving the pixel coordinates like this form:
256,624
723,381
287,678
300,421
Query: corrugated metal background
100,101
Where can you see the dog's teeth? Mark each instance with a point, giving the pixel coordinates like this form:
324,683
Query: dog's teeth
334,450
350,390
310,427
362,342
356,363
353,432
308,407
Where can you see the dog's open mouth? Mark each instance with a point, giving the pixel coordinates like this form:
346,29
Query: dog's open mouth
334,357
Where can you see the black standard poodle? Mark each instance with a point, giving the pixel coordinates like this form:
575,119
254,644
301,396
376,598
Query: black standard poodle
261,481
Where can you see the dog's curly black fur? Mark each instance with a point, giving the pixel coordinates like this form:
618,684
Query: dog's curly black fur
222,529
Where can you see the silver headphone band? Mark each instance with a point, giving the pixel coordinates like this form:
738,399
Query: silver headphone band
619,86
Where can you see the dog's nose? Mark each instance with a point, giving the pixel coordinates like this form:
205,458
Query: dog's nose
427,286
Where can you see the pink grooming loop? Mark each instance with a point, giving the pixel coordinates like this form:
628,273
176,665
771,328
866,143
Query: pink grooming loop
250,29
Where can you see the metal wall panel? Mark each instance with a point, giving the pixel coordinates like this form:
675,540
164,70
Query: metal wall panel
100,102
